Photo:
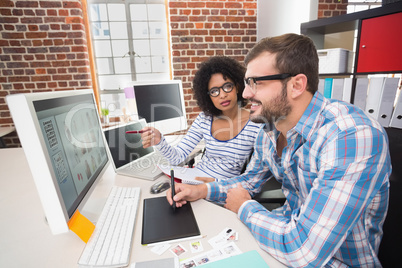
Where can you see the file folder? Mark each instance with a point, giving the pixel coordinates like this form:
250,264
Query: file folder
337,88
374,96
361,92
328,88
396,119
347,89
321,86
387,101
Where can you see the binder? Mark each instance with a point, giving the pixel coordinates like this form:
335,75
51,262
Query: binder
374,95
328,88
161,223
337,88
361,92
396,119
387,101
347,89
321,85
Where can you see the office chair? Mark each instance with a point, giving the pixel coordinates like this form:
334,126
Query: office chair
391,245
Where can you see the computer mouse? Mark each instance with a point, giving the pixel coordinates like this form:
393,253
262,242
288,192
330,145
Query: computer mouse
159,187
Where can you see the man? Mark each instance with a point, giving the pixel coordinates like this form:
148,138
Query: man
331,158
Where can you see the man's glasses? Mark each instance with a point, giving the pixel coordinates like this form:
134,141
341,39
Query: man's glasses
215,91
252,81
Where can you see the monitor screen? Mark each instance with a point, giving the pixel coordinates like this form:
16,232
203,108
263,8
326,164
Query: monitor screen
161,104
125,148
62,138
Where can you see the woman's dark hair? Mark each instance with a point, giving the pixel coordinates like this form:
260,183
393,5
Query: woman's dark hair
230,69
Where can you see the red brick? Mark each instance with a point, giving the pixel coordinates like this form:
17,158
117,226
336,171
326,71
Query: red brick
34,35
7,35
196,4
233,5
250,5
197,18
178,18
40,78
177,4
214,5
216,18
31,4
198,32
6,3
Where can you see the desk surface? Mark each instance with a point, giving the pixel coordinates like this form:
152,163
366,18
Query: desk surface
26,240
6,130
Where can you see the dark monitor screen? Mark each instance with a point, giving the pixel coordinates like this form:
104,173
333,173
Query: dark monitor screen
125,148
156,102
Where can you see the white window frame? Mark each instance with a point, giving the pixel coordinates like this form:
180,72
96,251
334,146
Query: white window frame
153,66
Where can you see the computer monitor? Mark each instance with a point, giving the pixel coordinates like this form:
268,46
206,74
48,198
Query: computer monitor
61,135
162,105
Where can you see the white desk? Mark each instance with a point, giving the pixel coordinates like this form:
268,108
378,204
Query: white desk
26,240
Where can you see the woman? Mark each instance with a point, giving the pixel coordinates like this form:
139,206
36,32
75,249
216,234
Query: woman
223,123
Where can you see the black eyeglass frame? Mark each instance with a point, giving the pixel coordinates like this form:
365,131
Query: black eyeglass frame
219,89
266,78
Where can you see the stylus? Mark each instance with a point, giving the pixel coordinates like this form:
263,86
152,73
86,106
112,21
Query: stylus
173,189
136,131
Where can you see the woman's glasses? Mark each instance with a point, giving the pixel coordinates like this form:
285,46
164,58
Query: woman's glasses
215,91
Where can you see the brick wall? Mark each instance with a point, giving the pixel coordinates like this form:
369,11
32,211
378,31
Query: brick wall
43,43
331,8
201,29
42,48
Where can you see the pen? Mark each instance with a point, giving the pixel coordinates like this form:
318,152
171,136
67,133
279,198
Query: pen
136,131
173,189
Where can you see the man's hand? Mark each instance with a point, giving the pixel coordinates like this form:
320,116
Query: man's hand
150,137
186,192
236,197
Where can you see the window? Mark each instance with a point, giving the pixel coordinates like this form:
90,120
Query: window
130,41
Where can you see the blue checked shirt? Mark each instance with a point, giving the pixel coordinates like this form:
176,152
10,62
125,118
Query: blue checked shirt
334,173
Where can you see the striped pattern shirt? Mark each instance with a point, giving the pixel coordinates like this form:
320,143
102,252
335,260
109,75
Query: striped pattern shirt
222,159
335,175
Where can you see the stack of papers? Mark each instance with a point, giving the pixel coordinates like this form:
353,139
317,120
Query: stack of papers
183,174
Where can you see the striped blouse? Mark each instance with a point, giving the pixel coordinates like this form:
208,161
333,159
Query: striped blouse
222,159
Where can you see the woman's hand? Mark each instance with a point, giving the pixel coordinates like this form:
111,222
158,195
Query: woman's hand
150,137
205,179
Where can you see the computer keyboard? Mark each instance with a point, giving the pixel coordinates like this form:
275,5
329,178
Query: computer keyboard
110,243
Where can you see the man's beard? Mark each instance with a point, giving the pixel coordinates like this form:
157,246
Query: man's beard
277,109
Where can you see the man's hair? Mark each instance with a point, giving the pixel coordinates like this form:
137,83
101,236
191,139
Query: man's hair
295,54
229,68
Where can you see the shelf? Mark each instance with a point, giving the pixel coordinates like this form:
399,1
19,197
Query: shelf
337,74
347,22
318,29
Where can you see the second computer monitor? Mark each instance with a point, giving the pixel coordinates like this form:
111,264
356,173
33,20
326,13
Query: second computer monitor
162,105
